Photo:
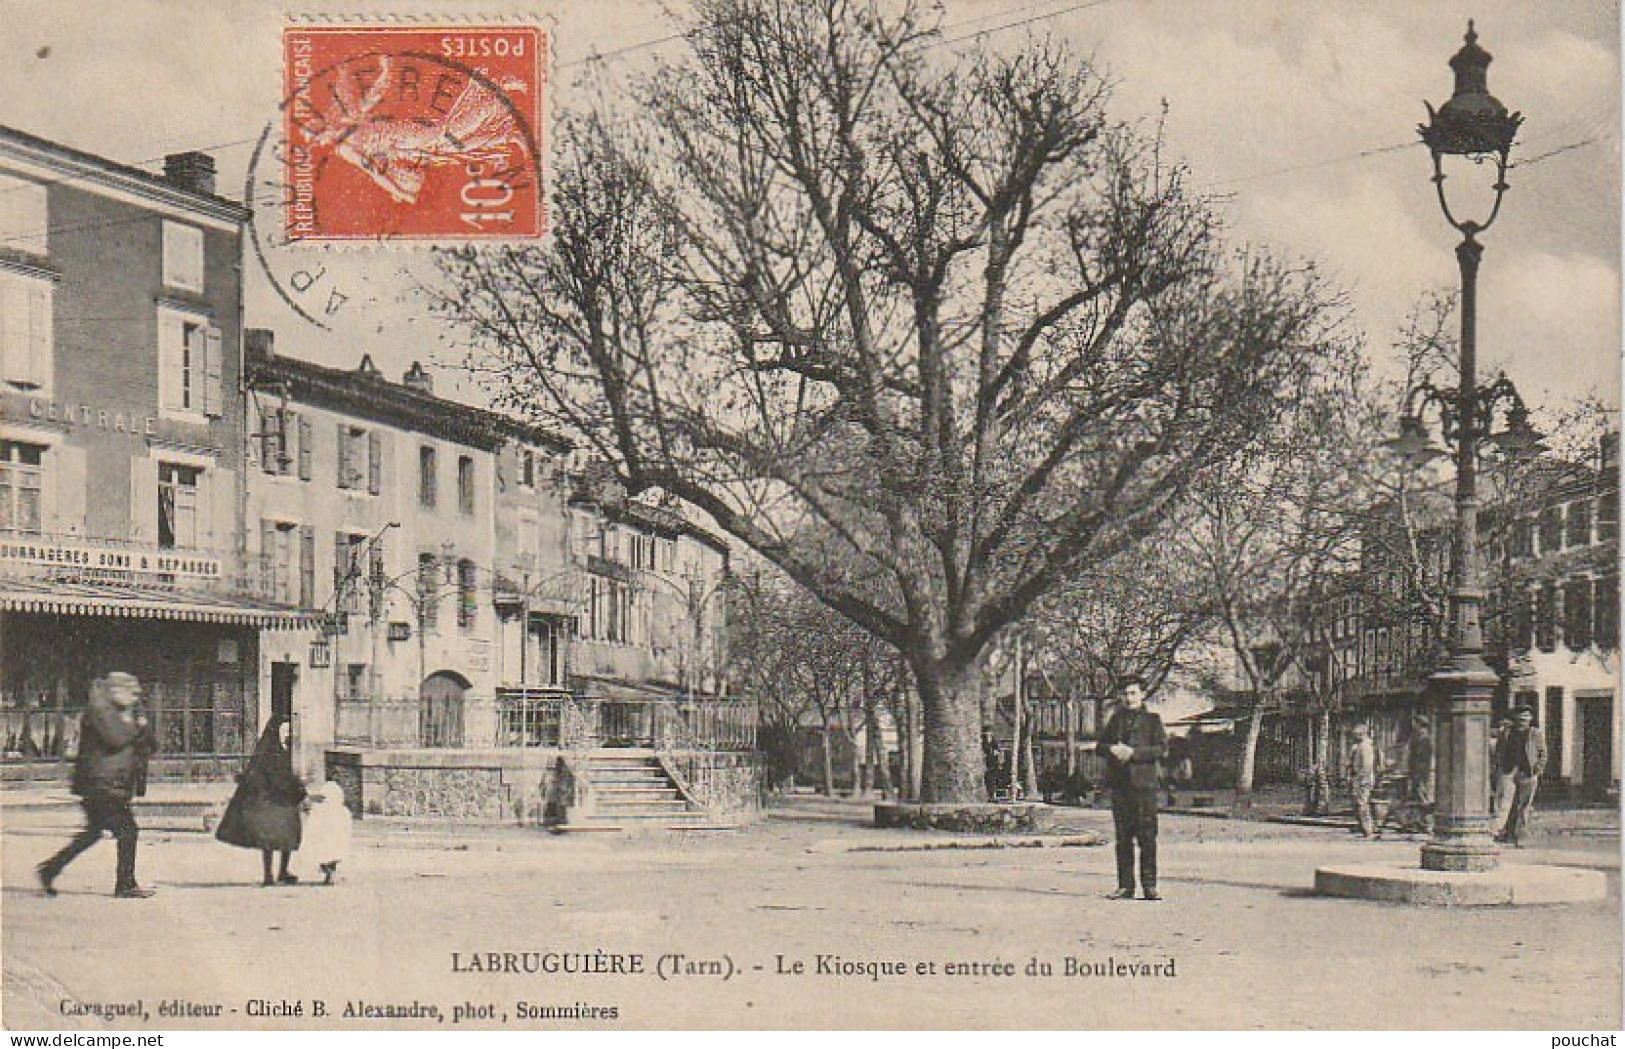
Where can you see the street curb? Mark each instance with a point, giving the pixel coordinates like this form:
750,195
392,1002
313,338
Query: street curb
1048,841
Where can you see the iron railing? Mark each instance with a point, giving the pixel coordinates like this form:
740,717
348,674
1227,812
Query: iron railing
528,717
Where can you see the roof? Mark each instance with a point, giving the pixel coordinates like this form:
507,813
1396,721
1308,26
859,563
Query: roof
366,394
606,495
128,602
88,167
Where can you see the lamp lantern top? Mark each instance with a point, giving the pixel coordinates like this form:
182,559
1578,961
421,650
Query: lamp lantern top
1473,121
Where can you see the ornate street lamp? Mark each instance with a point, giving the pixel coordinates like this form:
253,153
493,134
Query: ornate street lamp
1475,126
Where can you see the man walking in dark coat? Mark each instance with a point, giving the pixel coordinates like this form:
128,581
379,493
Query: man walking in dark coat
114,743
1520,759
1133,743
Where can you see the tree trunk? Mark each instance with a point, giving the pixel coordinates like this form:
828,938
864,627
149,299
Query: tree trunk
829,758
877,755
1070,713
1249,752
915,744
1320,792
950,698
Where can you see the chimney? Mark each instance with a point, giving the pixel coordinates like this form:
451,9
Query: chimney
259,342
417,378
191,171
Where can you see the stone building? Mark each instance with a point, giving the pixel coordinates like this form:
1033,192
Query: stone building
493,633
121,458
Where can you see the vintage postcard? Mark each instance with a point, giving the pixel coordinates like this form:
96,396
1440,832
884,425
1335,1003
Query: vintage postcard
765,514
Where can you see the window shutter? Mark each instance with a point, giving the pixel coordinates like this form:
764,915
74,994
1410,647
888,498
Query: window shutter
39,337
375,462
14,332
270,585
304,434
213,399
341,567
194,369
307,566
344,456
375,581
267,436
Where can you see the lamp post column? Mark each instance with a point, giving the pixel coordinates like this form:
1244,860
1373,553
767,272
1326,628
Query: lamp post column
1465,686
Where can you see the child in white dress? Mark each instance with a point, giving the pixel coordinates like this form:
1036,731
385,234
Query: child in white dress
327,831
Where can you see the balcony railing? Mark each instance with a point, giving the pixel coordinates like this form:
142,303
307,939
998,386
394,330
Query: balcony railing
518,718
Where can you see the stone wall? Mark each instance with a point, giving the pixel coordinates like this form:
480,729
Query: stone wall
508,787
728,785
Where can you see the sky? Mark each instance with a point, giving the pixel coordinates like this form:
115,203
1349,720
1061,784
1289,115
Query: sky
1300,114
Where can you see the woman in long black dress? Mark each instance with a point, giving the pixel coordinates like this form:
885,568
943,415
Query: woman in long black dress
264,812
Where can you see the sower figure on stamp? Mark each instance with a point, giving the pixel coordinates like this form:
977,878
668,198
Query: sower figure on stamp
1133,743
111,767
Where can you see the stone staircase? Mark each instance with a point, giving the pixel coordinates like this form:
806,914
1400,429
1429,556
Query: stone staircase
634,792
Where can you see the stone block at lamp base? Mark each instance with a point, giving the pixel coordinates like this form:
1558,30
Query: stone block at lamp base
1508,885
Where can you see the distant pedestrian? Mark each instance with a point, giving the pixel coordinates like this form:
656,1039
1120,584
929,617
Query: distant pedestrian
264,812
325,842
1362,776
1520,758
1419,769
1133,743
1499,804
111,768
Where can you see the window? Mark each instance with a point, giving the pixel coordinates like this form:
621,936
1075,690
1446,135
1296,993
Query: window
189,364
177,506
1607,516
279,555
428,591
527,468
1577,614
1546,619
21,480
1579,530
279,434
465,485
428,476
1520,622
355,682
1605,609
23,216
468,605
347,547
609,611
361,458
1523,537
26,330
183,257
1551,529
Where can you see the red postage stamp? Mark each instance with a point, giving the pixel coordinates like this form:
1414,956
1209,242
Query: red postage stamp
413,132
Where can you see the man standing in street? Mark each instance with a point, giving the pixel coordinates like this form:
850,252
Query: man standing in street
1520,758
1362,773
1419,768
114,743
1133,743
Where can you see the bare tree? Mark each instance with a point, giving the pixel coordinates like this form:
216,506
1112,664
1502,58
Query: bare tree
1279,529
824,280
